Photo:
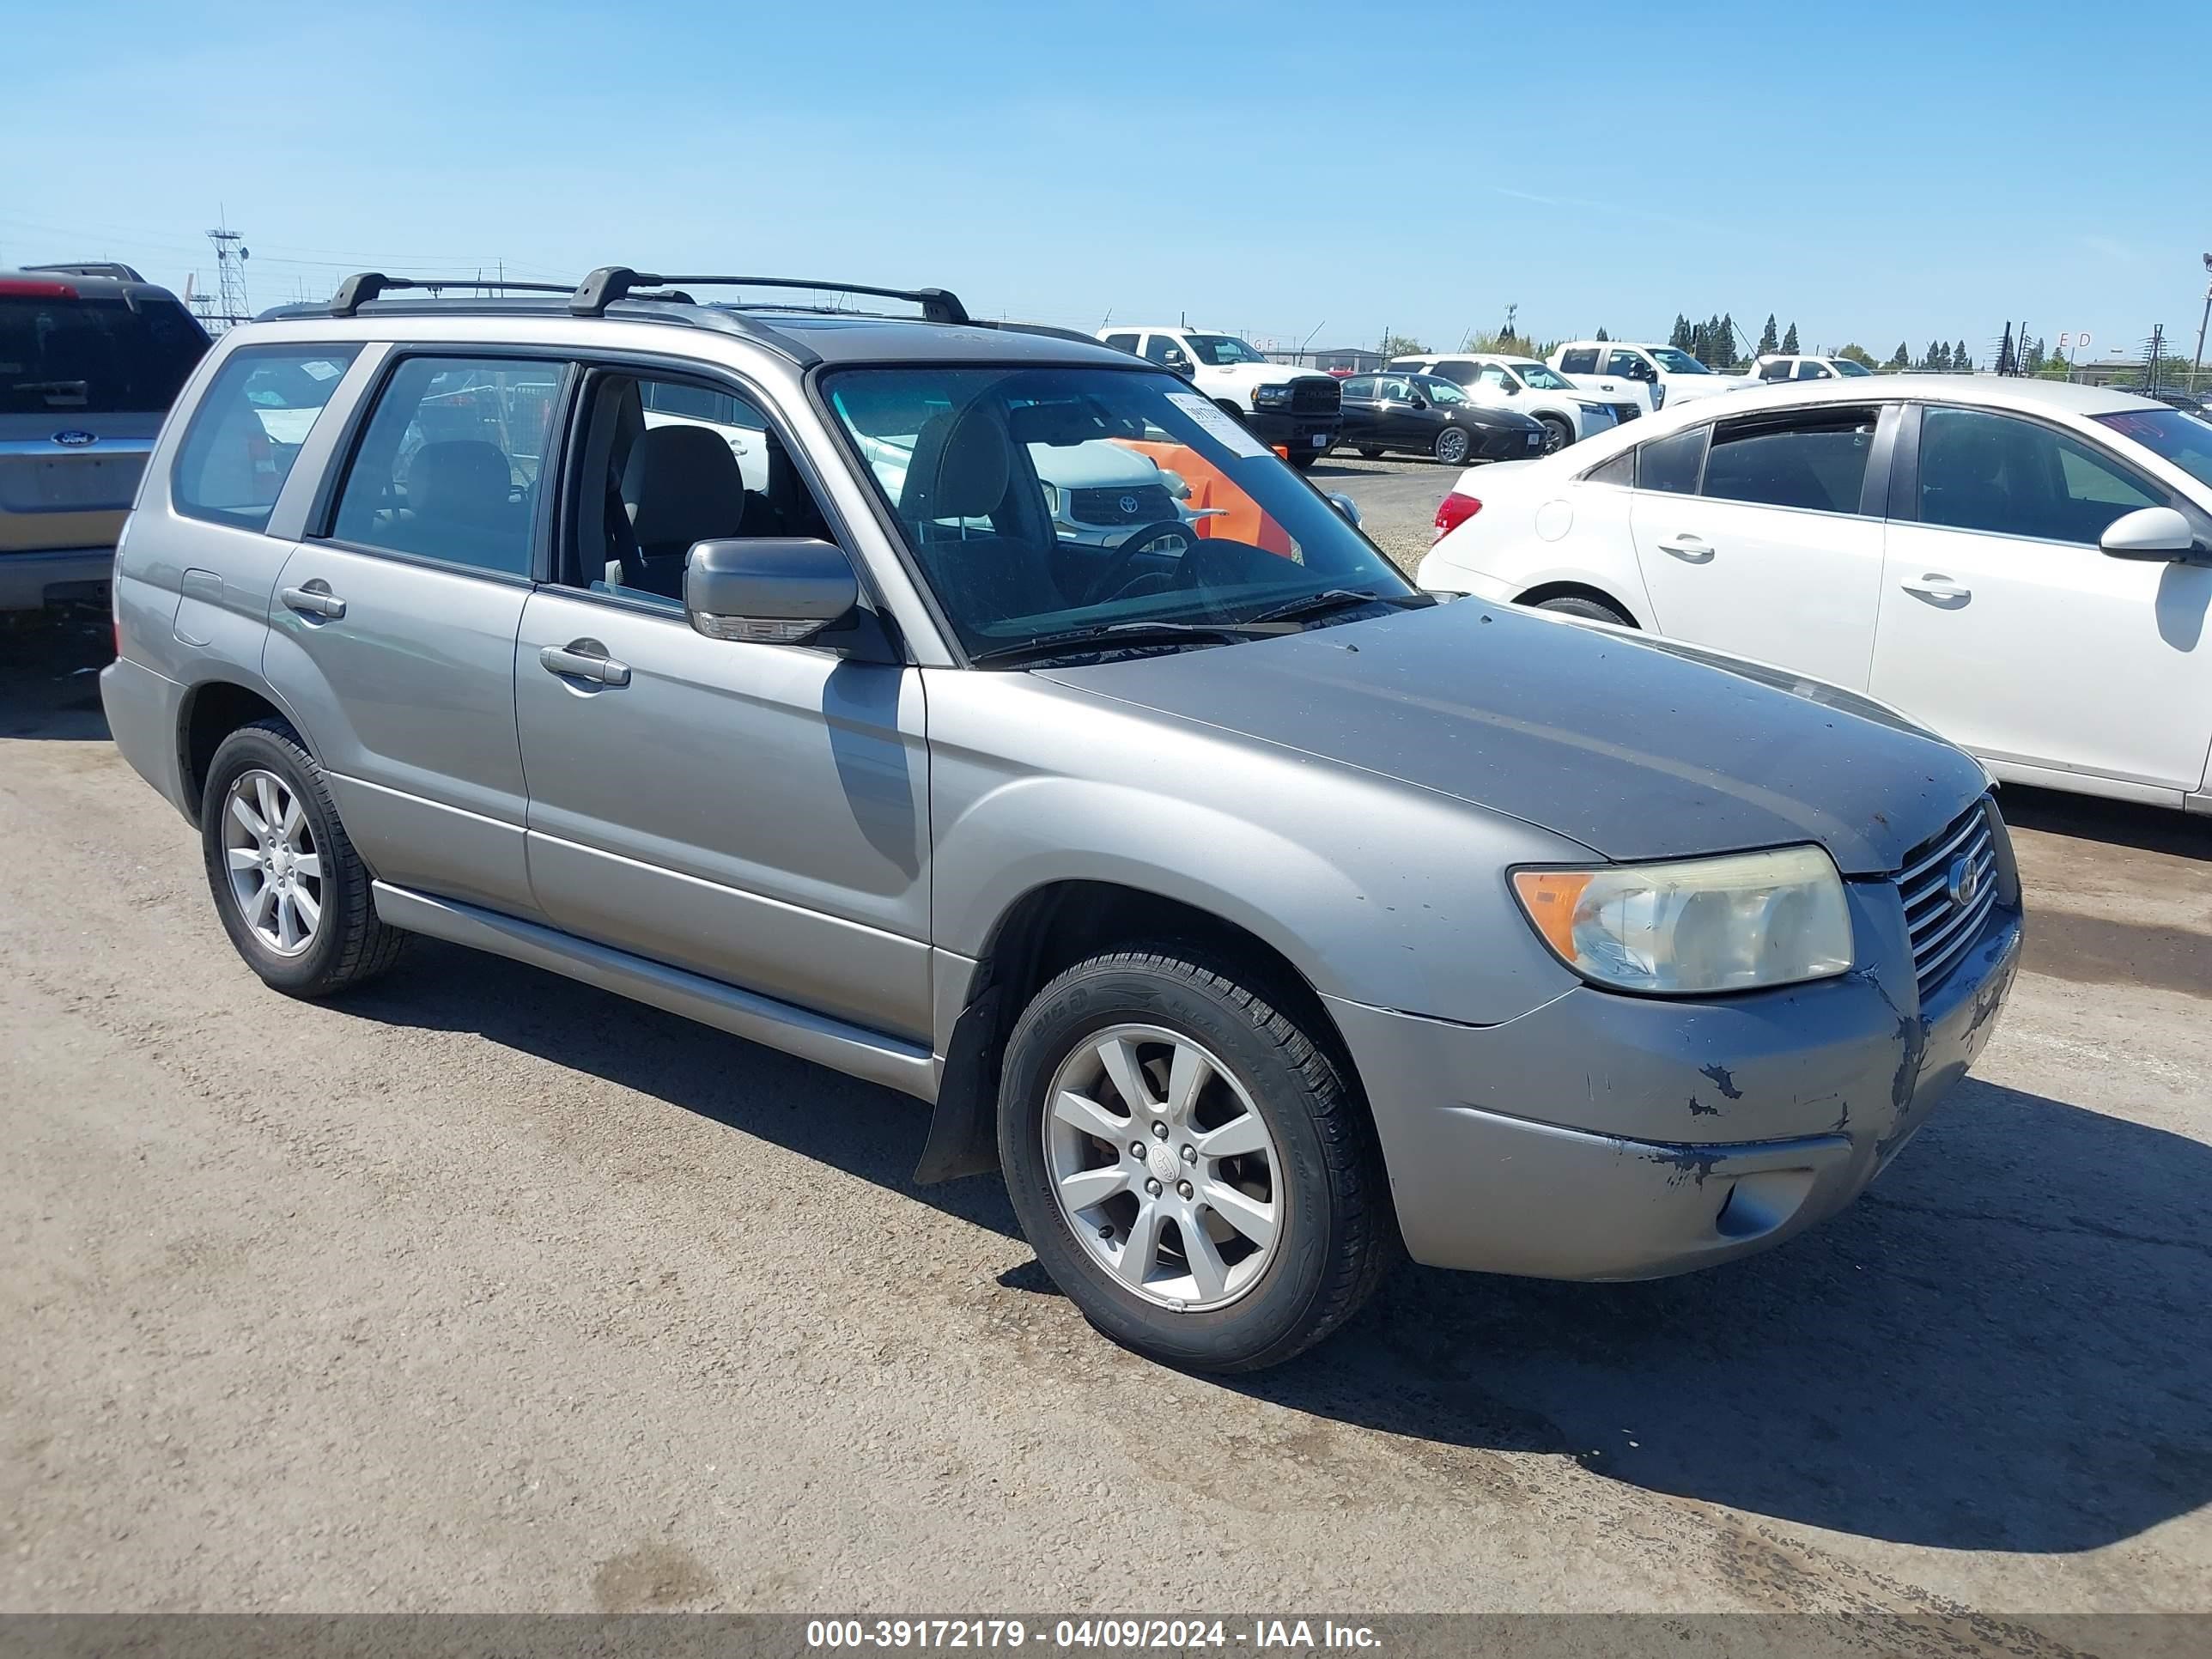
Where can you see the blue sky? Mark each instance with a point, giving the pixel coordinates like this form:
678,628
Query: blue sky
1873,171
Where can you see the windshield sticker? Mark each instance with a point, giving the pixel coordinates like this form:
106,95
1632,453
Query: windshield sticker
319,370
1222,427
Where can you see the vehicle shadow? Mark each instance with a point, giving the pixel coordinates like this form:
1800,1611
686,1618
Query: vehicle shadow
49,666
2001,1347
2120,823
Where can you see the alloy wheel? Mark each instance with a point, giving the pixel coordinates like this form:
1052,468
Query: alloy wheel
1162,1167
275,870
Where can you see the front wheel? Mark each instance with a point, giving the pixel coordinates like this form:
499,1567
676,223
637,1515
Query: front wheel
1558,435
1303,460
1372,452
1451,447
1573,604
1189,1164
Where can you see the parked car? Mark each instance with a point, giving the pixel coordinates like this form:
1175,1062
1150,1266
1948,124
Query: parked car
1773,368
1155,869
2189,403
1431,416
1665,371
1537,390
2024,565
90,358
1296,410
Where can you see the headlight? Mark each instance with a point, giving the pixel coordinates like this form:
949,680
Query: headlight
1696,925
1270,397
1658,397
1051,498
1591,409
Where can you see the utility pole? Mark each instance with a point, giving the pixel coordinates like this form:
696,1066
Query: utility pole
228,306
2197,364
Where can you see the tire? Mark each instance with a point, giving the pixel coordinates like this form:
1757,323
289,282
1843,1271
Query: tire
1371,451
1575,604
1452,447
1326,1210
1303,460
264,765
1559,433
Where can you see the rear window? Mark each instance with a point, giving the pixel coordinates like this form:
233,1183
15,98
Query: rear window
247,429
64,356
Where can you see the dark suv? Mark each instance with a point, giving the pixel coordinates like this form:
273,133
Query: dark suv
91,356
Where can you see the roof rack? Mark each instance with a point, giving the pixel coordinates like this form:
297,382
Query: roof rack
360,288
121,273
612,283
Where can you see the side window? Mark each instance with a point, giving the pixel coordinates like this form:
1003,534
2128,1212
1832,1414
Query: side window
1627,364
1816,461
1672,463
1621,470
663,464
1361,390
1582,360
1458,374
1123,342
2015,477
1165,350
1489,374
1809,370
248,428
1395,391
1777,370
448,468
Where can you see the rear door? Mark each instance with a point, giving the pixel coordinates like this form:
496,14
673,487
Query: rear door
2005,629
1362,421
85,378
393,635
1776,553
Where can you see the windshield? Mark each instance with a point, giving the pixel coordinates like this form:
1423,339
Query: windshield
1845,366
1542,377
1677,362
1219,351
64,354
2185,440
970,461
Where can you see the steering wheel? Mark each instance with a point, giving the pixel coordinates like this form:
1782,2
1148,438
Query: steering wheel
1125,552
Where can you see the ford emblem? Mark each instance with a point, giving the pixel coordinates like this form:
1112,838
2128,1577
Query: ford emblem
75,439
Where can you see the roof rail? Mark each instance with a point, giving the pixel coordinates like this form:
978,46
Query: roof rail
360,288
612,283
120,272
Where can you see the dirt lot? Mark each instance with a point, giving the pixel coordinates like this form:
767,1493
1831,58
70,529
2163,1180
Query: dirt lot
486,1290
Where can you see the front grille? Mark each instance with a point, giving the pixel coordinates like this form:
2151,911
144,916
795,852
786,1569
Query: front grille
1942,927
1624,413
1315,395
1137,504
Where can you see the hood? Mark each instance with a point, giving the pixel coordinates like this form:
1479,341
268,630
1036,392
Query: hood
1260,373
1496,417
1630,745
1680,386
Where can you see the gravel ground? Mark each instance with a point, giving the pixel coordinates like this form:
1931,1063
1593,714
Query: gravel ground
485,1290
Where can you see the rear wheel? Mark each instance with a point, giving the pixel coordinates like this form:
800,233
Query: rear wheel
1576,605
1558,435
292,893
1451,447
1189,1164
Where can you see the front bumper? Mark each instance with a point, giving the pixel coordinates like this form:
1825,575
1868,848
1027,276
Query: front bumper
1300,433
1602,1136
1510,443
31,581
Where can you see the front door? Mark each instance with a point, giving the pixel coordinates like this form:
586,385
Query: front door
2005,629
754,813
1772,549
393,636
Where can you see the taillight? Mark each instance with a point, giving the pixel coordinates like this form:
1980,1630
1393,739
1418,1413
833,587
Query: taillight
1452,512
18,288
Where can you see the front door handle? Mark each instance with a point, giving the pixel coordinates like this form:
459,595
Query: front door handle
1690,549
315,599
584,659
1935,587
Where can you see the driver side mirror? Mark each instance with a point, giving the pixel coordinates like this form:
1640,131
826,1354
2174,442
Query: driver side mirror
771,590
1345,505
2158,534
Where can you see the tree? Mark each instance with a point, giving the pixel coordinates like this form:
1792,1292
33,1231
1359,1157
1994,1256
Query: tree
1680,338
1769,341
1602,335
1938,355
1962,361
1724,344
2031,360
1859,355
1402,345
1902,359
1790,341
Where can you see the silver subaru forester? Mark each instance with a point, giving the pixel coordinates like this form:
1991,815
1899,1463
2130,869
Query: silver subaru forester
1256,915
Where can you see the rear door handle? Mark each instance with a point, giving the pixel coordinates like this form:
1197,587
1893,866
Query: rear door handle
584,659
1933,587
1690,549
315,599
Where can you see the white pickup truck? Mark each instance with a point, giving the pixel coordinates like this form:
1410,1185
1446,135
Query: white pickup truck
1298,411
1667,373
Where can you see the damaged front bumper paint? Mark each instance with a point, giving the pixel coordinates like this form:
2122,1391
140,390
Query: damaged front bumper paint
1602,1136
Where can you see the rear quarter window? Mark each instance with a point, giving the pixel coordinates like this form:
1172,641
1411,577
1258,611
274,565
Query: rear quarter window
247,429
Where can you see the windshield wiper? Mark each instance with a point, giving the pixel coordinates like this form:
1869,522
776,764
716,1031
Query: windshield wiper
1308,606
1108,636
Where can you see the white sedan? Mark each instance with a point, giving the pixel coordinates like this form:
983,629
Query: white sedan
2024,566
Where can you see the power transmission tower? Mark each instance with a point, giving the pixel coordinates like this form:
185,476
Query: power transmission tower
227,307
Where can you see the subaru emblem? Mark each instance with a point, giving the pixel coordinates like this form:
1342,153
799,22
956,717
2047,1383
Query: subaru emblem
1963,881
1129,505
75,438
